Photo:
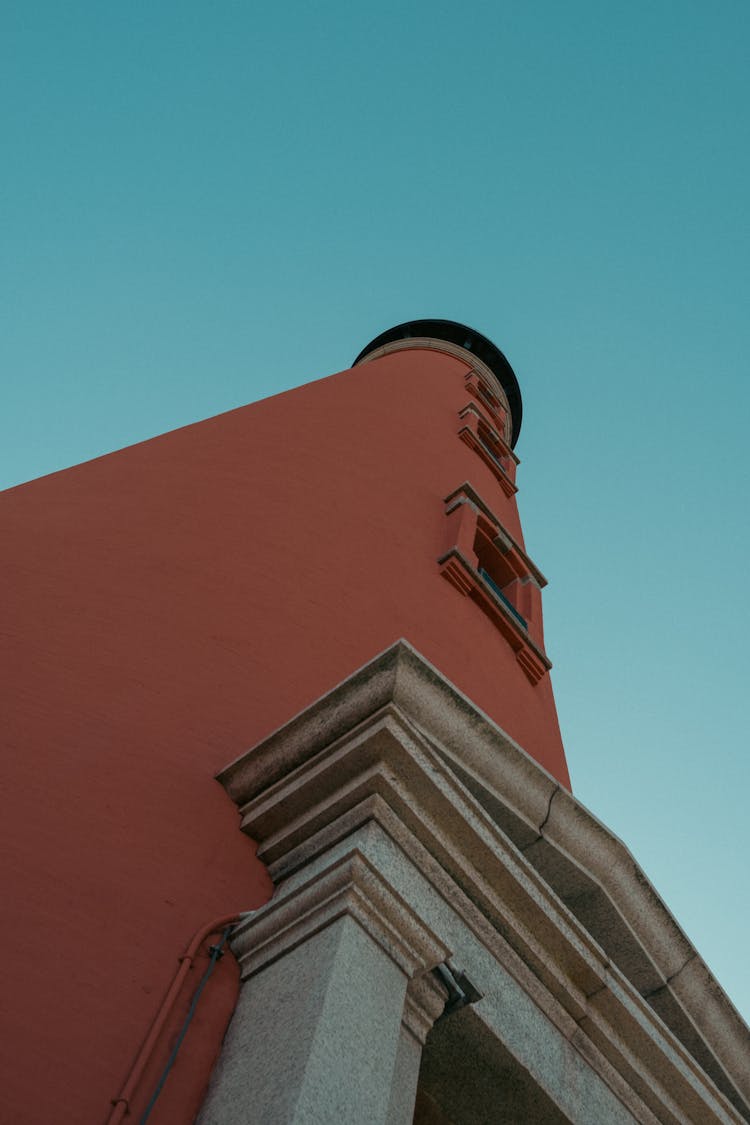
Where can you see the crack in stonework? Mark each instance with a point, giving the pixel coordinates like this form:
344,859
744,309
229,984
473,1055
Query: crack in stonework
553,794
540,829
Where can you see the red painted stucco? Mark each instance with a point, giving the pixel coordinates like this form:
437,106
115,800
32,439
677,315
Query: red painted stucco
167,606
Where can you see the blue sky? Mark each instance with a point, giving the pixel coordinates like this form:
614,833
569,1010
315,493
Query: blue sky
204,204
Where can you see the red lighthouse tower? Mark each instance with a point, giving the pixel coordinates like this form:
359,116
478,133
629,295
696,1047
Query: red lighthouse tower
325,601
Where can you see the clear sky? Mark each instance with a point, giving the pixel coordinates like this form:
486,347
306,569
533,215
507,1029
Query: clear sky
205,204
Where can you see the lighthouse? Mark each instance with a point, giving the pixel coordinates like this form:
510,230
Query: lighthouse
292,835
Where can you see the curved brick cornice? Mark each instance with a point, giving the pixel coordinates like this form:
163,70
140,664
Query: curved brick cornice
430,343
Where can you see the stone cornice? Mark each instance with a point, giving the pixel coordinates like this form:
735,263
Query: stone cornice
561,858
351,886
400,675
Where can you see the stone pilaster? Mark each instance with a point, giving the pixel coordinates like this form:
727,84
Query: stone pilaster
335,1003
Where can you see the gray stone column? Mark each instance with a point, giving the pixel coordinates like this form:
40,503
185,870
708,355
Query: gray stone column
323,1031
425,1001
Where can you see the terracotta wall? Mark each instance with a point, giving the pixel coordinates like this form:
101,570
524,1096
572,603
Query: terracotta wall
166,607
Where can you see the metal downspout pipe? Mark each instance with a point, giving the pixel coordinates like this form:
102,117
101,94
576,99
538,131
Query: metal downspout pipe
121,1104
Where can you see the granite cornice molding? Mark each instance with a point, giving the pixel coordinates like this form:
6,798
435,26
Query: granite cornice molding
531,936
386,773
573,832
350,886
607,1011
384,755
640,1034
599,880
642,936
461,732
588,871
715,1020
607,1034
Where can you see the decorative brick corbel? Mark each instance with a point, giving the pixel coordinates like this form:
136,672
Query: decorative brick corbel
488,398
502,463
